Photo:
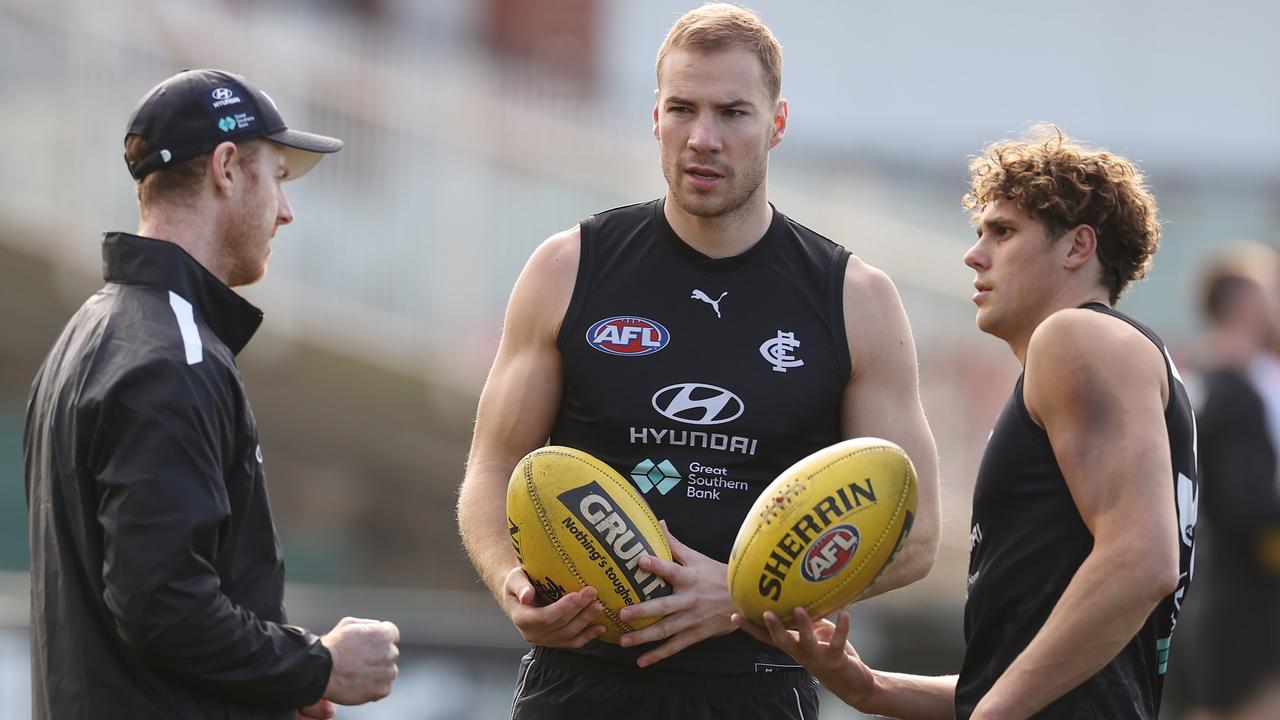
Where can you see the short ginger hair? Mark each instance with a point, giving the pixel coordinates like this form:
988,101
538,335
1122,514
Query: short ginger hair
180,181
1064,184
721,26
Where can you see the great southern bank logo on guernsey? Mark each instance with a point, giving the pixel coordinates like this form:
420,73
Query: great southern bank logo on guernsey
628,335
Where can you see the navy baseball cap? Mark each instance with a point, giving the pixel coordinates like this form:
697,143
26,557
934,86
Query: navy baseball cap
192,112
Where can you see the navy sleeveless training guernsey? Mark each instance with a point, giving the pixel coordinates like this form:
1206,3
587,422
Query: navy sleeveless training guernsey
701,380
1027,541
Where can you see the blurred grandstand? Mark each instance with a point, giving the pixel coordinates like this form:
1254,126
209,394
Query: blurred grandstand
476,129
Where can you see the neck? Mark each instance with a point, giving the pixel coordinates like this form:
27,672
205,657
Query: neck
182,228
1065,301
724,235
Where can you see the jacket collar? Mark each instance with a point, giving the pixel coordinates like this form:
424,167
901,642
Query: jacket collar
136,260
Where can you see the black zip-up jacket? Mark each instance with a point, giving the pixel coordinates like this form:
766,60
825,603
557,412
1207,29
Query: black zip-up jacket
157,579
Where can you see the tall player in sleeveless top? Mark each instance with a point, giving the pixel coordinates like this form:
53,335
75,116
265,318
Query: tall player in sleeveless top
700,344
1085,502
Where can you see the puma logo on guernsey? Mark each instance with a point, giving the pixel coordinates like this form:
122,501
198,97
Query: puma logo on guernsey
715,304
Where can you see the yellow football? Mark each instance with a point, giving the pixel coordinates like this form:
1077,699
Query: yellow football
823,530
574,522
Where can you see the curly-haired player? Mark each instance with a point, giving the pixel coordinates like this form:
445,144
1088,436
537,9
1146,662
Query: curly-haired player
1085,502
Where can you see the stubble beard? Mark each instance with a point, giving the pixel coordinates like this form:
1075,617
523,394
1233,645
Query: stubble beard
246,251
734,203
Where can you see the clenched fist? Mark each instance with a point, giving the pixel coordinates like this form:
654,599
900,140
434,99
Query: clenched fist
364,660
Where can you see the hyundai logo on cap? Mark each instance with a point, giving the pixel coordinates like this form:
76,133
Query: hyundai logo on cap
186,116
222,97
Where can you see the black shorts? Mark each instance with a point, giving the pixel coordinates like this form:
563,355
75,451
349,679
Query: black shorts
555,684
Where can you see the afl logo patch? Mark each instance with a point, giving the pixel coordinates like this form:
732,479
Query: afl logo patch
828,555
627,335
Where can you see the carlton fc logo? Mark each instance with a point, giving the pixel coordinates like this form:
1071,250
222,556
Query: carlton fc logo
628,335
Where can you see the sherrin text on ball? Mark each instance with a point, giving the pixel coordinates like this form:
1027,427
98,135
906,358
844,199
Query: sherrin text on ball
823,531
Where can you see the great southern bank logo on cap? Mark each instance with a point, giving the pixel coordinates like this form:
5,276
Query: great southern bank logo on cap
237,122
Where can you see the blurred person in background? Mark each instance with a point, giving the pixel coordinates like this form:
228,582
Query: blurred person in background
1264,368
770,333
157,579
1084,506
1234,671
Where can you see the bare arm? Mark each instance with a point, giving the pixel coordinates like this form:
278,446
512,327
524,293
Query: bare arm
1099,388
823,648
517,409
882,400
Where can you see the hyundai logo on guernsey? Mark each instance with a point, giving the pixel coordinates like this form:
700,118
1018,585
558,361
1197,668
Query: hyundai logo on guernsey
628,335
698,404
695,404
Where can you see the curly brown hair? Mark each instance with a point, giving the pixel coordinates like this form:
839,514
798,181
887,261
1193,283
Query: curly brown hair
1064,184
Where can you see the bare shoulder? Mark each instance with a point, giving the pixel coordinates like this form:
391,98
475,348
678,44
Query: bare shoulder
865,283
545,287
1086,338
1078,354
870,297
876,326
555,260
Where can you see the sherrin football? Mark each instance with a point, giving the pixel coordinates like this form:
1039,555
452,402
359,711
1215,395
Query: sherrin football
823,530
574,522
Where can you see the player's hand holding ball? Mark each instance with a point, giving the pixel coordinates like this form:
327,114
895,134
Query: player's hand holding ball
580,531
568,621
823,531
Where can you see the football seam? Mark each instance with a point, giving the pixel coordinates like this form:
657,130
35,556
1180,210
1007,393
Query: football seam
547,529
897,510
879,541
568,562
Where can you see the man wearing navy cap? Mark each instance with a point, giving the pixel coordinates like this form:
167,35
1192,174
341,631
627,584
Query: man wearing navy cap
156,575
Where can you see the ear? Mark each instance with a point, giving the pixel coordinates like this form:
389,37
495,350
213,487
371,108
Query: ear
1082,246
655,113
779,123
224,167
